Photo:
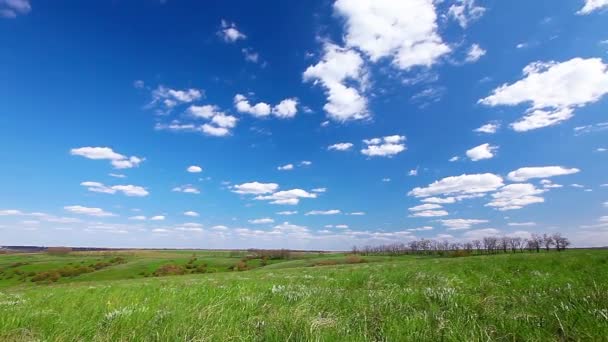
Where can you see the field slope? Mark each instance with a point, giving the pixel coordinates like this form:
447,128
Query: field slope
507,297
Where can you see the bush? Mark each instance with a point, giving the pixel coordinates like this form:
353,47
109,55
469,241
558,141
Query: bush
168,270
354,259
239,266
59,250
49,276
325,263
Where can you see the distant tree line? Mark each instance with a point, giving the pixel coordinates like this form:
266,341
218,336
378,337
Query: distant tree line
485,245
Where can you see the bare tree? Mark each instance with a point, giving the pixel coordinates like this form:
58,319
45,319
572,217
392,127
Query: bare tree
548,241
560,241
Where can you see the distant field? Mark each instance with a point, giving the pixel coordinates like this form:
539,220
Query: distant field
324,297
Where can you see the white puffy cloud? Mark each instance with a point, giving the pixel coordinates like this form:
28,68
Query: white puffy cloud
194,169
404,31
286,167
489,128
384,147
340,147
426,206
229,32
187,189
547,184
287,108
173,97
413,172
204,111
454,159
483,151
479,234
338,65
117,175
462,185
421,229
250,55
525,173
138,218
255,188
319,190
11,212
215,131
324,212
293,212
157,218
128,190
593,5
287,197
553,90
265,220
521,224
219,123
461,224
81,210
438,200
598,127
357,213
117,160
430,213
516,196
475,53
465,11
191,213
305,163
13,8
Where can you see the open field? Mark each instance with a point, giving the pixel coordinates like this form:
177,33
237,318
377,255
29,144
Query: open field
508,297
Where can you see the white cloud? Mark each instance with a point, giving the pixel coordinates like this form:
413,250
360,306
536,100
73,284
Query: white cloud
553,90
191,213
157,218
454,159
215,131
250,55
229,32
460,185
525,173
305,163
286,167
404,31
265,220
340,147
319,190
117,175
172,97
522,224
413,172
593,5
11,212
357,213
287,212
336,67
601,149
128,190
194,169
427,206
203,112
437,200
460,224
483,151
547,184
80,210
324,212
187,189
255,188
287,108
465,11
386,180
117,160
224,121
430,213
138,218
516,196
421,229
13,8
479,234
489,128
384,147
287,197
475,53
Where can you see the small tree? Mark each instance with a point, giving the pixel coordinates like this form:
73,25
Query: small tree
548,241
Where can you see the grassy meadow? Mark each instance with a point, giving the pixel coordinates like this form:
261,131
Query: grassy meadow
225,296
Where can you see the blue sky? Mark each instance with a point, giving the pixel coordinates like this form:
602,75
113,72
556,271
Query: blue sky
313,124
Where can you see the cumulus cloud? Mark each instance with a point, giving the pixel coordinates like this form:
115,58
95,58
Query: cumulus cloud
265,220
525,173
406,32
255,188
337,66
489,128
214,130
475,53
117,160
483,151
170,98
128,190
521,224
191,213
157,218
461,224
426,206
465,12
438,200
592,5
287,197
384,147
430,213
286,167
194,169
229,32
13,8
324,212
293,212
553,90
285,109
81,210
340,147
460,185
187,189
516,196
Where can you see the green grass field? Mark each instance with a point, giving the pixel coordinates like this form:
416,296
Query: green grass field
506,297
